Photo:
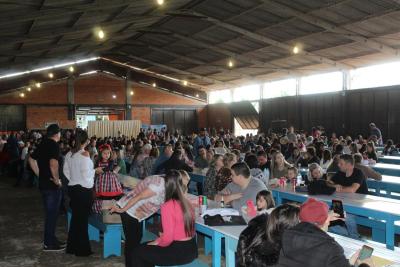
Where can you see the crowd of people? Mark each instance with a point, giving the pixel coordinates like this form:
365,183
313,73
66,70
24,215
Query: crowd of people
237,168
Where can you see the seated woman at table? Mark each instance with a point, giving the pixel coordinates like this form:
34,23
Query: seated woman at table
308,244
259,244
371,152
209,183
177,244
367,170
222,179
176,162
389,148
279,168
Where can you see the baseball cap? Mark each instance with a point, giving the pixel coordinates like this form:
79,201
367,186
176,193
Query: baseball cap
53,129
314,211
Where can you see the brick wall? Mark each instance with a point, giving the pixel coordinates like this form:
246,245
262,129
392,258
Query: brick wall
96,89
37,117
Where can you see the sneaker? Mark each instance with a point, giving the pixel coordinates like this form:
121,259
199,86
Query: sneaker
53,248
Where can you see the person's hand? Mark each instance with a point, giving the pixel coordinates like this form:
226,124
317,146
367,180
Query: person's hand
57,181
99,170
235,196
116,209
339,188
368,261
334,217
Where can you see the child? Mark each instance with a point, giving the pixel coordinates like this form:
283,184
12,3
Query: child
265,202
106,184
292,174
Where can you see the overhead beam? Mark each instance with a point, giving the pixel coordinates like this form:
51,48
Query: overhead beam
331,27
197,76
267,40
55,11
192,60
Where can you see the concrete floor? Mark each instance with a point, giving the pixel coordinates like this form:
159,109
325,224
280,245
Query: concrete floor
21,230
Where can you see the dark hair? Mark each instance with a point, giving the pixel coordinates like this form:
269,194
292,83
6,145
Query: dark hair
292,168
262,154
311,151
241,168
174,191
81,138
347,158
267,195
281,218
251,161
327,155
357,158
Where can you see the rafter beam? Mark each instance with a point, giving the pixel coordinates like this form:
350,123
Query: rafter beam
192,60
197,76
267,40
55,11
331,27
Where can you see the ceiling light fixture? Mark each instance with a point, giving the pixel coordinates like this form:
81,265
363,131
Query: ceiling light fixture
38,85
230,63
197,95
154,85
101,34
131,93
28,89
160,2
185,83
114,96
22,95
71,69
51,75
296,50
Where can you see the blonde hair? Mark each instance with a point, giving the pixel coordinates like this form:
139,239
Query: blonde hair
228,158
185,180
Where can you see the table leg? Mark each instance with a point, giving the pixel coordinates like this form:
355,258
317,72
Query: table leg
390,233
216,249
230,249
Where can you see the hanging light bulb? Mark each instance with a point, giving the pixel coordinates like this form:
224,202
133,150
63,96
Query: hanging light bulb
197,95
185,83
38,85
114,96
154,85
71,69
230,63
296,50
51,75
22,95
101,34
131,93
28,89
160,2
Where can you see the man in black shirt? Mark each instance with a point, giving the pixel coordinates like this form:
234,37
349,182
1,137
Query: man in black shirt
45,163
349,179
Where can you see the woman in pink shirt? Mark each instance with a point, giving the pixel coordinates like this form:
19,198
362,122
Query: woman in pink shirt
177,244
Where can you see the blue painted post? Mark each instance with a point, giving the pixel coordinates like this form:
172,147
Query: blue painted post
112,240
94,233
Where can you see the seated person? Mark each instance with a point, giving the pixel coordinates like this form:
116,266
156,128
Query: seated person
349,179
308,157
242,188
389,148
317,183
259,244
308,244
367,170
371,152
279,167
292,174
265,202
263,163
201,159
334,166
255,171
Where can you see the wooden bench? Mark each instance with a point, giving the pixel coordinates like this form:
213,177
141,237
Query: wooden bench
112,234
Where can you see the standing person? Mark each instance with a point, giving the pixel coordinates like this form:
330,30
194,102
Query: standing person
201,140
44,163
79,171
375,131
177,244
291,135
139,204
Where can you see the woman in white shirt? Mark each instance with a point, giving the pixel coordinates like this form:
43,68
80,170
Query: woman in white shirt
78,169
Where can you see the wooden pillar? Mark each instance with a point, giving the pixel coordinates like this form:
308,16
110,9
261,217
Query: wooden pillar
71,98
128,97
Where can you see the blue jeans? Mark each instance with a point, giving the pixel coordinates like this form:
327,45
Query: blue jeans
350,230
51,203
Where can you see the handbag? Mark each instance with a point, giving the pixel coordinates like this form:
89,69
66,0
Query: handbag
218,220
